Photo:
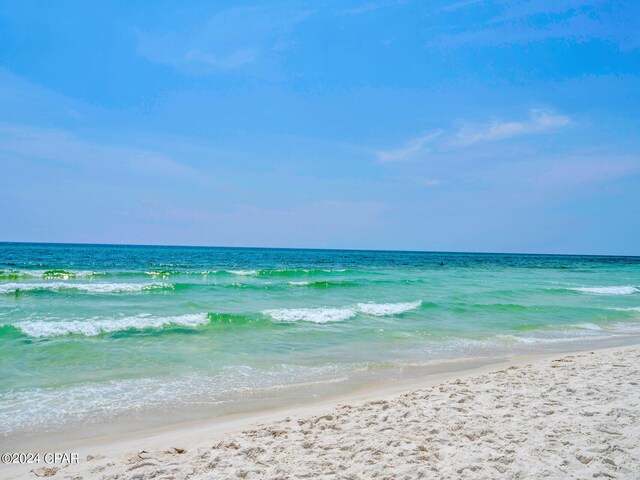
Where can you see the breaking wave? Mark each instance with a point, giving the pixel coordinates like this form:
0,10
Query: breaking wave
616,290
384,309
97,326
339,314
83,287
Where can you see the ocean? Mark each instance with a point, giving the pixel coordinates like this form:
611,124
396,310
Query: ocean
97,334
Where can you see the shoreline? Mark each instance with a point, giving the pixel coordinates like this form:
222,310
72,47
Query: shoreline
370,384
194,434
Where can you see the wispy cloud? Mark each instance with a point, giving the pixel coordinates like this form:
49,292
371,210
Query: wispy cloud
452,7
228,61
429,182
523,22
588,169
370,7
228,41
64,148
409,150
540,121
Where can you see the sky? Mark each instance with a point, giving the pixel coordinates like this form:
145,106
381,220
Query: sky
459,125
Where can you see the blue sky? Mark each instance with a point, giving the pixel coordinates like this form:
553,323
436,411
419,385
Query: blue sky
463,125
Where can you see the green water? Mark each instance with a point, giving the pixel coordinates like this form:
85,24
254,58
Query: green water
92,333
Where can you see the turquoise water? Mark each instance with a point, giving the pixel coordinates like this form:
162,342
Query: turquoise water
90,333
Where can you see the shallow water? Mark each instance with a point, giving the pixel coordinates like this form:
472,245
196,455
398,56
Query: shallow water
89,333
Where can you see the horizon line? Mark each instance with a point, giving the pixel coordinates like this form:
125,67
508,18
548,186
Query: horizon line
318,249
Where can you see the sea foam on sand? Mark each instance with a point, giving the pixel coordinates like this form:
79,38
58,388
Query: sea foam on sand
573,416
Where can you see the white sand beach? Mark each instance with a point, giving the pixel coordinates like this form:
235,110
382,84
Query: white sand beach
563,416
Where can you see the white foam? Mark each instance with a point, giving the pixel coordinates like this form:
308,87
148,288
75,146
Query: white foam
625,328
159,274
96,326
533,340
48,274
562,333
314,315
243,272
80,404
339,314
298,283
625,309
383,309
621,290
517,339
83,287
170,273
588,326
